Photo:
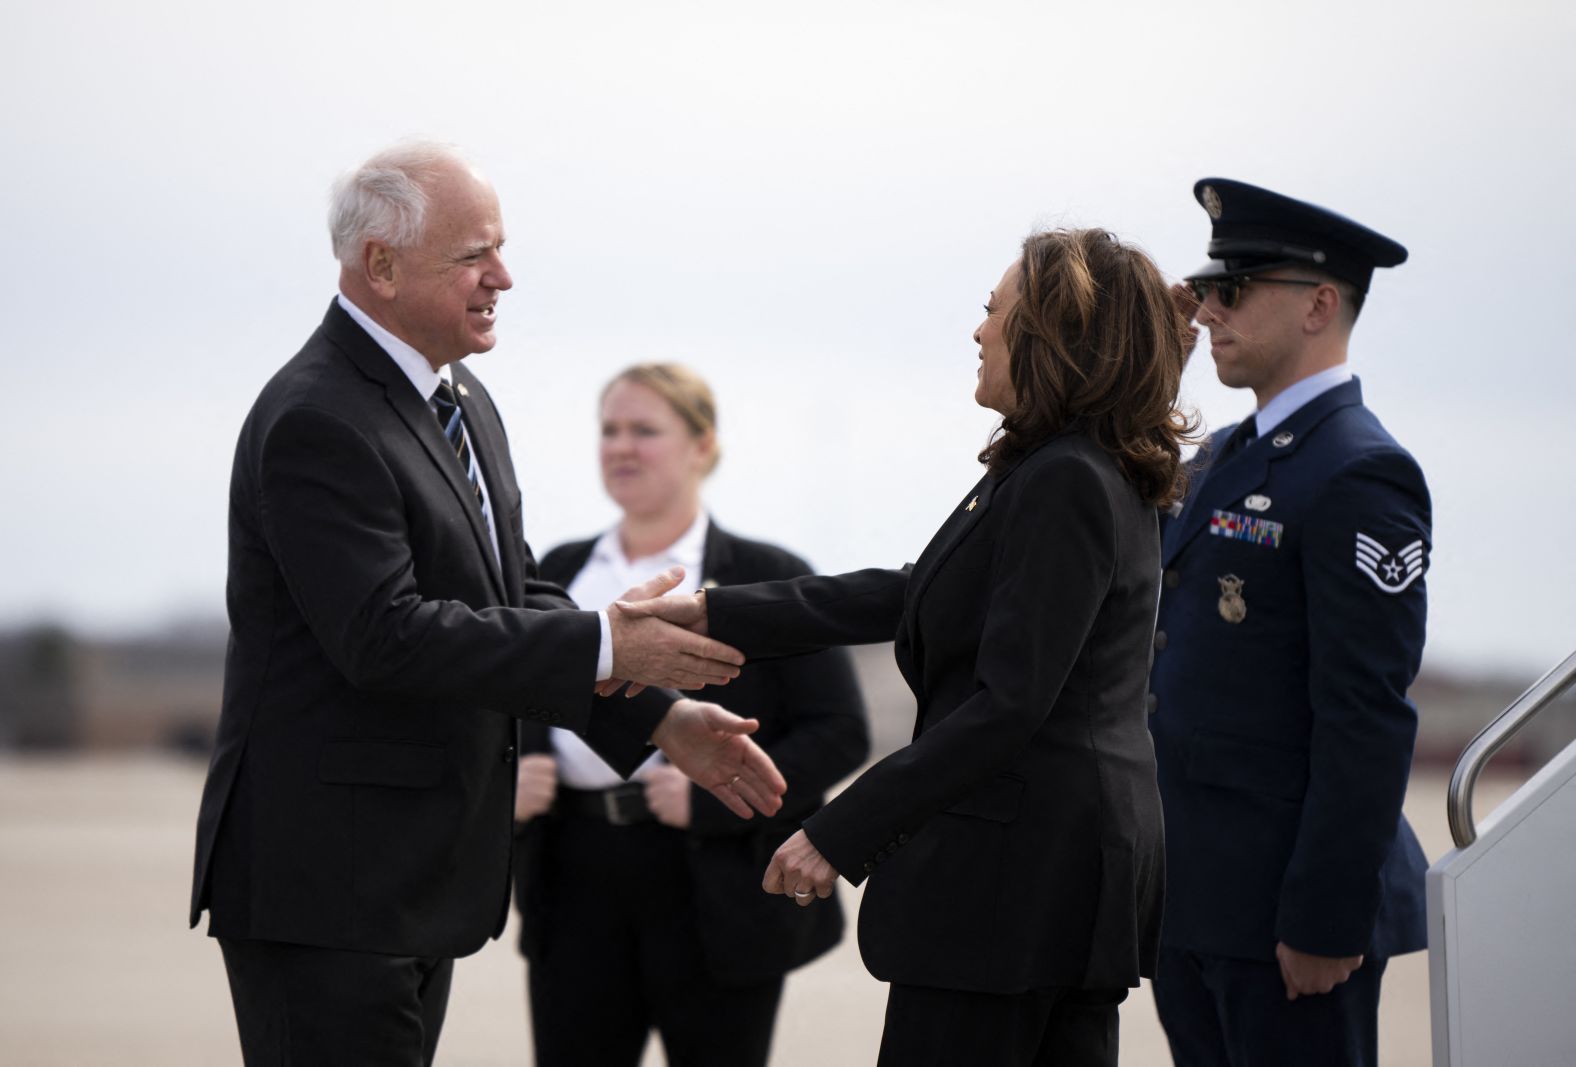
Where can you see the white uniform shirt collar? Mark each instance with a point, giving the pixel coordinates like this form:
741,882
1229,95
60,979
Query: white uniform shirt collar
688,551
1297,395
412,362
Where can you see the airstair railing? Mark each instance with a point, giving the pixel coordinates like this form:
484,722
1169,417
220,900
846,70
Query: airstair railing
1494,737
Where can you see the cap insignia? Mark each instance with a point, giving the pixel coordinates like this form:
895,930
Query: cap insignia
1212,202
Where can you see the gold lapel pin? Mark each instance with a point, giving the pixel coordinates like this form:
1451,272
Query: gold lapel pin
463,391
972,504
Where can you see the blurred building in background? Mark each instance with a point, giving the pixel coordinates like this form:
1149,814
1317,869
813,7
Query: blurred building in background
60,690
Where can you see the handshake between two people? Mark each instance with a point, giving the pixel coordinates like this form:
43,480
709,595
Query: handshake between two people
705,741
663,640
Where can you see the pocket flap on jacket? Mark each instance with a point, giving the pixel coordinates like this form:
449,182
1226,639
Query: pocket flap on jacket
1238,763
996,800
401,764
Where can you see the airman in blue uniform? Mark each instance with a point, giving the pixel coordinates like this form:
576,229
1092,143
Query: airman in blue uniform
1291,625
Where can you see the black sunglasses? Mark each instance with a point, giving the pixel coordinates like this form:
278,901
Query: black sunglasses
1230,289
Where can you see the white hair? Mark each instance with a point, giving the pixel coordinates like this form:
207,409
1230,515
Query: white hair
385,198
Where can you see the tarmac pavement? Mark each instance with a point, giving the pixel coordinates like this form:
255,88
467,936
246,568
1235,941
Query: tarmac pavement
97,966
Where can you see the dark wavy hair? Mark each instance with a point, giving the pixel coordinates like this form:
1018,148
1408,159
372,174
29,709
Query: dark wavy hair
1096,340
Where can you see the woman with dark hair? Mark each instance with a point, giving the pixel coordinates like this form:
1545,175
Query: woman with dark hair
1013,849
638,901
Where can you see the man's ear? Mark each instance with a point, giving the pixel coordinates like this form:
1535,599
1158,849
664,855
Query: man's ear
1324,309
377,259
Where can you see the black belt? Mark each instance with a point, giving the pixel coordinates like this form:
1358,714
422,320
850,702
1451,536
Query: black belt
622,805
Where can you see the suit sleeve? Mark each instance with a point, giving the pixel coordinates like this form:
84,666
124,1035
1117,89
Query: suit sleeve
806,614
826,738
333,519
1052,569
1366,620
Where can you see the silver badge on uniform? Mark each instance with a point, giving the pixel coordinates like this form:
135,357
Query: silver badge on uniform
1392,572
1257,502
1232,607
1282,439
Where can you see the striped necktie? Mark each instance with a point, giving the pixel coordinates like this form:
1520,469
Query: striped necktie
448,411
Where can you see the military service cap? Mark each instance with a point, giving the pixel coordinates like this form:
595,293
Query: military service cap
1257,230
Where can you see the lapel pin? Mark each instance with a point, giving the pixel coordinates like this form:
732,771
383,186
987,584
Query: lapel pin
1257,502
972,504
1232,607
1282,439
463,391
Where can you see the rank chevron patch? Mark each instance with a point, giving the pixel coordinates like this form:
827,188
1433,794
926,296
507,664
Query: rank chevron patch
1390,571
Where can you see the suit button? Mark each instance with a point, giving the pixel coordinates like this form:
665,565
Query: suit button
1160,640
880,857
869,867
1173,578
902,839
1152,703
508,754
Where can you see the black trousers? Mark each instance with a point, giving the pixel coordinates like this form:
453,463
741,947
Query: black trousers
1223,1012
621,956
298,1006
1041,1028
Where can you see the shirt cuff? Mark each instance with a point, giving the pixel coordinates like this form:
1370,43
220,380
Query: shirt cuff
604,655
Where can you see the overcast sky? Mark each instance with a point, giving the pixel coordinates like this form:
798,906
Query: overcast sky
808,203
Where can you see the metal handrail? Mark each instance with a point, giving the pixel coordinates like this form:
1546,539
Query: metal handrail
1492,738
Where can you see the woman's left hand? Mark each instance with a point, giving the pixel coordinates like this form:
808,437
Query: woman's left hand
799,872
668,796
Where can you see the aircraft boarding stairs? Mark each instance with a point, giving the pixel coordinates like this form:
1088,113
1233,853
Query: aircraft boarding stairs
1502,909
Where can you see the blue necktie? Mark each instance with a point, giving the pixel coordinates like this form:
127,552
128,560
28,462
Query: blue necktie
1241,437
448,411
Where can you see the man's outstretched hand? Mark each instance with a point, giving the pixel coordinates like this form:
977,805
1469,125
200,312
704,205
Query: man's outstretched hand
650,648
711,745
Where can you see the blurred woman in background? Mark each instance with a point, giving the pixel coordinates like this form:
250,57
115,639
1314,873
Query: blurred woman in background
640,902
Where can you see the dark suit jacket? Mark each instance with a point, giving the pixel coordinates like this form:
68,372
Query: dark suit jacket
362,788
812,725
1016,843
1285,739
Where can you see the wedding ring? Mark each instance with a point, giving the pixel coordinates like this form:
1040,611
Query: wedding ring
733,781
801,894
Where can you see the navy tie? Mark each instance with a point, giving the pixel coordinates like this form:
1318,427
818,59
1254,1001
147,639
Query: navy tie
448,411
1241,437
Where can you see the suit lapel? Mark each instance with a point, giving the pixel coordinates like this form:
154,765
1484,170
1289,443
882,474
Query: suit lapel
1225,481
413,411
968,514
716,559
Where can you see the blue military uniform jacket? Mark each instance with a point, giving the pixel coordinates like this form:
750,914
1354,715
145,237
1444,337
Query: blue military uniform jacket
1291,625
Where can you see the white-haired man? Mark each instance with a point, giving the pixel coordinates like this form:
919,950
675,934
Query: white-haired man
387,630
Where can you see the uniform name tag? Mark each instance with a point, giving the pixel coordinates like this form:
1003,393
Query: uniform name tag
1230,525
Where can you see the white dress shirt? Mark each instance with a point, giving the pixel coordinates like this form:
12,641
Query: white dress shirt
1298,394
608,575
425,381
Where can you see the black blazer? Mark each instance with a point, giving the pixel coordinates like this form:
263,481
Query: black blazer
813,727
1015,844
361,791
